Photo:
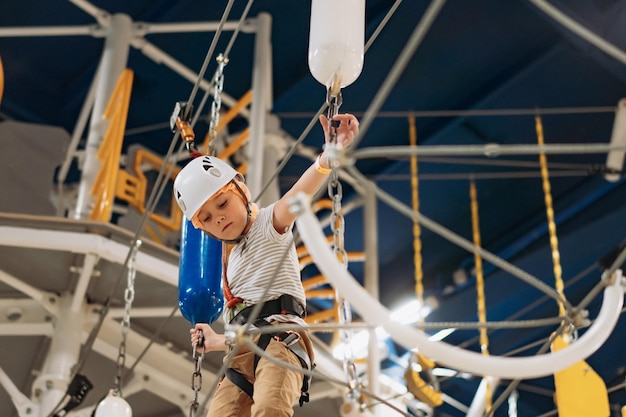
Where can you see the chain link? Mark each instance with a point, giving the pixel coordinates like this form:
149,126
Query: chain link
216,106
129,297
337,226
196,377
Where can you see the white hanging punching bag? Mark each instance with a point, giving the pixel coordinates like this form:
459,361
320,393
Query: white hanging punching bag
336,41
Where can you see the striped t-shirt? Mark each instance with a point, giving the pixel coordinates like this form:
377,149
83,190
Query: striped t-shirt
254,262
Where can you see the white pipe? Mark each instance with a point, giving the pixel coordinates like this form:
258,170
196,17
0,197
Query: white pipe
89,264
62,356
24,288
490,150
615,157
23,404
26,329
87,243
580,30
112,63
145,28
102,16
371,279
79,128
143,312
479,403
261,103
28,31
448,355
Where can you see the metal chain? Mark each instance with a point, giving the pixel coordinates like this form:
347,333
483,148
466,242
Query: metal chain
216,106
196,377
129,297
337,226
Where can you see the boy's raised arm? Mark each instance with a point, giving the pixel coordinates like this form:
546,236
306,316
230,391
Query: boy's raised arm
317,174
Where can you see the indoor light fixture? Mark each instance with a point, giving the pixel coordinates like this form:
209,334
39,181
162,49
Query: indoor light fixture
113,405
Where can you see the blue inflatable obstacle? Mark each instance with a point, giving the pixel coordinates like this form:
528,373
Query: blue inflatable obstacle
200,296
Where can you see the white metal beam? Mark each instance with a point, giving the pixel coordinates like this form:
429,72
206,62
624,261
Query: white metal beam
84,243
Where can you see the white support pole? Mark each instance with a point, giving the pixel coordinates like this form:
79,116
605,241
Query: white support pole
580,30
23,405
49,388
370,227
87,270
29,290
479,403
112,63
615,157
261,102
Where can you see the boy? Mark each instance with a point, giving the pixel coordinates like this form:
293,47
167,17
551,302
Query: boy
213,196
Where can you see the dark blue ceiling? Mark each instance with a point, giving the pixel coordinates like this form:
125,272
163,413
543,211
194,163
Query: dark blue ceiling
504,58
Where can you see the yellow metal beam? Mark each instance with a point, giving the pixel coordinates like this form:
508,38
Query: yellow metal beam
111,148
580,392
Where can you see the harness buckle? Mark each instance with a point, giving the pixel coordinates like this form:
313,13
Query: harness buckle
292,337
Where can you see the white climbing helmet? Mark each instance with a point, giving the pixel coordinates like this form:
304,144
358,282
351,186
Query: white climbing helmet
199,180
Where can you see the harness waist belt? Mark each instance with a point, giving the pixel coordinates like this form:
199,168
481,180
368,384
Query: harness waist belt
285,304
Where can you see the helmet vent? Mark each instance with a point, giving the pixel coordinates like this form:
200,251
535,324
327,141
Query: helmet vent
180,201
209,168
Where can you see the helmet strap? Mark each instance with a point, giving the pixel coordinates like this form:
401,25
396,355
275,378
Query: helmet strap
248,215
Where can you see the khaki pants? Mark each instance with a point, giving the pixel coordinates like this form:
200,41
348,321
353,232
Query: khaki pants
276,388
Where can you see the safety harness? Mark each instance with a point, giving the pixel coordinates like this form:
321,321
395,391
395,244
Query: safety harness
285,304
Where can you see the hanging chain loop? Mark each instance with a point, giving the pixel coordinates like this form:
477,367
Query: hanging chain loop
337,227
196,378
216,106
129,297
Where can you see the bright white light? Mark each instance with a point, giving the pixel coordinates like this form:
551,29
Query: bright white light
407,314
441,334
359,343
410,313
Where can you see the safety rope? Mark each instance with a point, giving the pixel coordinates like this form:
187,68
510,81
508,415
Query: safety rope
554,242
480,286
417,242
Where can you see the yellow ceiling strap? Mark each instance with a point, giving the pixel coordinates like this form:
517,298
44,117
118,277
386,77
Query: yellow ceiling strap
480,287
554,242
417,242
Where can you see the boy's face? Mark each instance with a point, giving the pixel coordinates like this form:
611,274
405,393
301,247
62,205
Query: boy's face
224,216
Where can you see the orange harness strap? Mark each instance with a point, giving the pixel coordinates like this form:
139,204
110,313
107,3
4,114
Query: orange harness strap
231,300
